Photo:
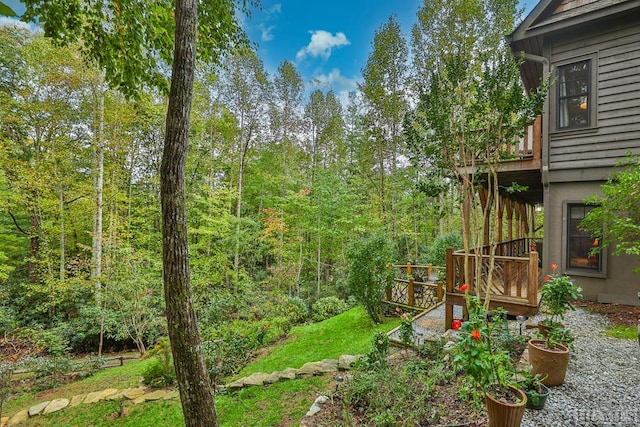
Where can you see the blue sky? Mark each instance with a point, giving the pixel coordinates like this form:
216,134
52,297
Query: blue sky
328,40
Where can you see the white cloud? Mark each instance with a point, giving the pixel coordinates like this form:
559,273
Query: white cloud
266,32
335,81
276,8
321,44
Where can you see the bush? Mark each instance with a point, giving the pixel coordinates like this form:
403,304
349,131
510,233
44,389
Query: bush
160,372
49,341
295,309
226,357
369,272
328,307
437,252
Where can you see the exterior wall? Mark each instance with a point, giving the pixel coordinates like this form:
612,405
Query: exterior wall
591,153
618,283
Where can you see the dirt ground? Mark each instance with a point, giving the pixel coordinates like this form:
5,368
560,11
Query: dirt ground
617,314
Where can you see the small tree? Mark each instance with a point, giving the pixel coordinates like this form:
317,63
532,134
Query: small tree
369,272
616,217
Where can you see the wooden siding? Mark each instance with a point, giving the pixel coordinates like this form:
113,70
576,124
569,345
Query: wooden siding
571,4
616,56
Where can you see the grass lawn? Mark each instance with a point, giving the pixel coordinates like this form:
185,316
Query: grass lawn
282,404
348,333
622,331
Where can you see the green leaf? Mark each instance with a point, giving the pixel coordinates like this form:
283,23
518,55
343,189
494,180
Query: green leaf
6,10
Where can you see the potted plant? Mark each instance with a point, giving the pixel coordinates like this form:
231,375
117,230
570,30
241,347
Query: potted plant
558,293
490,368
550,356
533,386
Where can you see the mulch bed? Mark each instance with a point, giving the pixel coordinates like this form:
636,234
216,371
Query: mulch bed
617,314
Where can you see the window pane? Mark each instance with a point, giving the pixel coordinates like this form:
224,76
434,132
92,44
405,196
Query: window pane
580,244
573,95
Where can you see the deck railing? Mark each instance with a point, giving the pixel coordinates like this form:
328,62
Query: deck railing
514,280
418,286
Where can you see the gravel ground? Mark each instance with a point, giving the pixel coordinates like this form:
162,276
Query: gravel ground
602,386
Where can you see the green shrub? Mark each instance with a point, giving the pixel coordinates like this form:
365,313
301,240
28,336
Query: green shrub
370,273
227,356
49,341
328,307
437,252
159,371
295,309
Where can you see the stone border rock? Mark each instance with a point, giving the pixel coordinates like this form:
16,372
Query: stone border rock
142,394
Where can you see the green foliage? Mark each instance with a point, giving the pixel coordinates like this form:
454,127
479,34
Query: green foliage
295,309
53,371
394,396
406,329
558,294
48,341
346,333
6,371
478,353
227,356
160,372
369,272
616,214
327,307
437,252
376,358
623,332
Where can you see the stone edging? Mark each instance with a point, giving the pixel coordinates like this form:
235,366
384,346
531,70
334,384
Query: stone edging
141,394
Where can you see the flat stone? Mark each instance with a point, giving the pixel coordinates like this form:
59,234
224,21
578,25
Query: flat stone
19,418
289,373
77,399
328,365
273,378
106,393
92,397
346,361
317,406
310,368
257,378
4,421
173,394
55,406
236,385
36,409
133,393
155,395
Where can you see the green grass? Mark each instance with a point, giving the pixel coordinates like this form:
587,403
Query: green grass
624,332
282,404
348,333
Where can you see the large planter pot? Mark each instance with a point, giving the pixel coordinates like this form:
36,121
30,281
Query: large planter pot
536,399
552,362
503,414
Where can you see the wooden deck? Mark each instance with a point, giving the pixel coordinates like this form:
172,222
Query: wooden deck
514,283
416,286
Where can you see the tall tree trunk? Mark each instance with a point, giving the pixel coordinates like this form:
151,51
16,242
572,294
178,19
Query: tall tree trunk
96,253
63,240
196,393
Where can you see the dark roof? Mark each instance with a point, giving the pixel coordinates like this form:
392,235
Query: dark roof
543,22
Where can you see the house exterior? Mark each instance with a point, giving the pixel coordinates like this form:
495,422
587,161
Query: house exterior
590,49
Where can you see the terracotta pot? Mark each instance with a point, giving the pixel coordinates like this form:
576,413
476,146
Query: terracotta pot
547,361
502,414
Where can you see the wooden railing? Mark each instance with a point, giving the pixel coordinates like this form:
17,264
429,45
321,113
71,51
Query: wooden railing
514,280
416,286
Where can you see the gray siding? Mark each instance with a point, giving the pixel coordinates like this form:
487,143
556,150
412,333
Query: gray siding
615,54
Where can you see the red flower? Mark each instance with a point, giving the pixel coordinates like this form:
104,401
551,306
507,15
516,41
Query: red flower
464,287
547,278
475,334
554,266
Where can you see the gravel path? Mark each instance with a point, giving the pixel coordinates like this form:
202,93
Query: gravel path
602,386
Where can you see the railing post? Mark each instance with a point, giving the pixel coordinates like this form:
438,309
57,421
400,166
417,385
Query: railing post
532,285
411,297
448,308
440,292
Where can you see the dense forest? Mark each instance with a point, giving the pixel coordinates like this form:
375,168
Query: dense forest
282,181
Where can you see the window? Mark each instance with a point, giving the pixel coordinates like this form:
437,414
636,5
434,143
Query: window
574,88
580,243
